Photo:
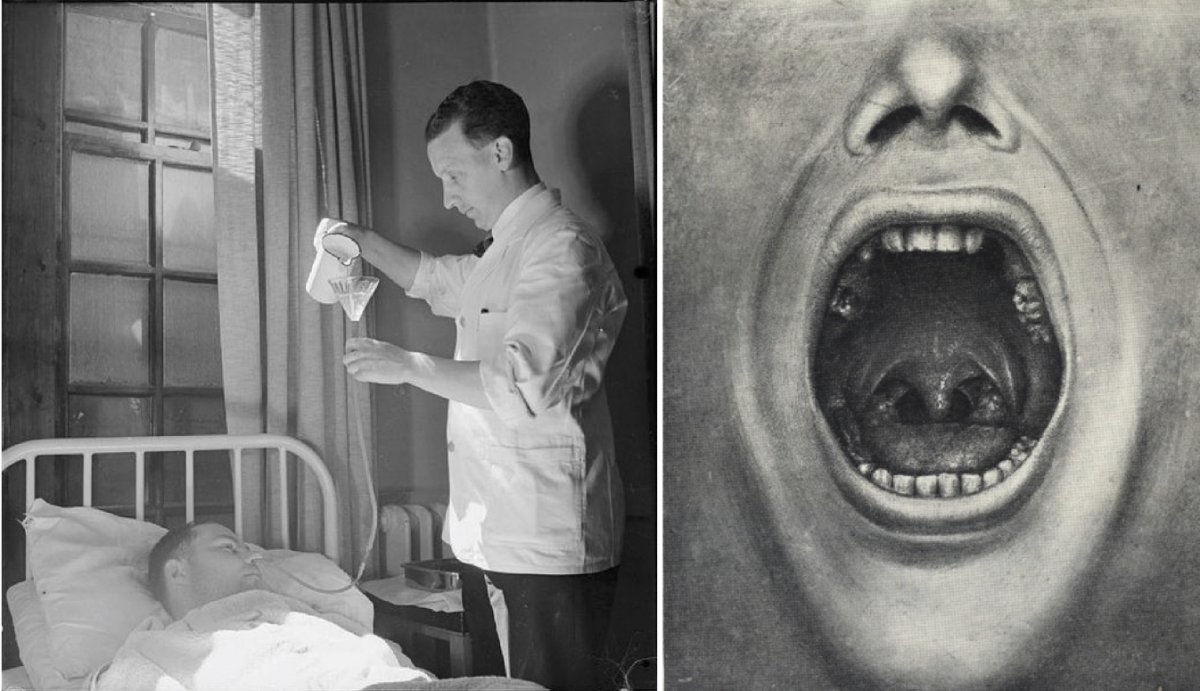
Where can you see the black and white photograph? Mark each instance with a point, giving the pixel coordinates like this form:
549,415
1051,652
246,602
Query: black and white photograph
330,346
931,336
828,345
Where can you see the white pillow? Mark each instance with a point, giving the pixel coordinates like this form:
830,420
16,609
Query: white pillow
90,567
29,624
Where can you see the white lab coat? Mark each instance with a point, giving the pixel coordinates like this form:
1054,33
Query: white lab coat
534,487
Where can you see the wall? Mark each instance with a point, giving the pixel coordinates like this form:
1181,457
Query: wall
416,54
568,61
32,143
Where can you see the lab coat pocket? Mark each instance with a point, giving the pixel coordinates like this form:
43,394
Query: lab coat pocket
536,496
489,335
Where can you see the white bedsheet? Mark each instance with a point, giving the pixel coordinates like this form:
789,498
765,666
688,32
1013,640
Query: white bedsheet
255,640
15,679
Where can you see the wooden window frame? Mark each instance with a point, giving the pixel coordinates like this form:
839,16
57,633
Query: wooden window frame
77,138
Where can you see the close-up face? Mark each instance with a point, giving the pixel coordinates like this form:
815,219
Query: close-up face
954,241
470,176
219,564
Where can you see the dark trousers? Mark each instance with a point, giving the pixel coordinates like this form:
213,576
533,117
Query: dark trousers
557,626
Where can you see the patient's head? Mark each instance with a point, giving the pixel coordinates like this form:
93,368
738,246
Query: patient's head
197,564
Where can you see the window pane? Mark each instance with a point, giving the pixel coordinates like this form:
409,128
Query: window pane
109,208
188,240
198,415
104,65
124,135
194,415
114,478
181,68
109,322
192,342
108,416
186,143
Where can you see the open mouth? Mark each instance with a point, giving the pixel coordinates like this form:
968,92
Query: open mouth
938,364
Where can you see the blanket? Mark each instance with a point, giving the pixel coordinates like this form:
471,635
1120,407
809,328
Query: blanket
255,640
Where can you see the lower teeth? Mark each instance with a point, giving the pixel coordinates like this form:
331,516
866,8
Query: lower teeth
946,485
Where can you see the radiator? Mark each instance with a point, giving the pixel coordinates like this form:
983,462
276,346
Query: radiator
411,532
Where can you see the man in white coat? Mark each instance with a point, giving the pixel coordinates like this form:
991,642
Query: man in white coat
535,496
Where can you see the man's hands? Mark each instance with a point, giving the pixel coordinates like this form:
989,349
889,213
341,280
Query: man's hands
377,362
353,231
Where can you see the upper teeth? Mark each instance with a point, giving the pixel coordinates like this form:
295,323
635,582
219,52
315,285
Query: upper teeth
930,237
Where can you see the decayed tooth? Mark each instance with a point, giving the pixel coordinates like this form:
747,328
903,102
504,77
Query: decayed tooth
893,240
902,484
1006,467
866,468
991,477
843,302
948,239
973,240
927,485
1039,333
866,252
971,483
919,238
1028,299
1017,455
948,484
882,477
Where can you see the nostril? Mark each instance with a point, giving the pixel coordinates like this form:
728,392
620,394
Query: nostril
895,122
931,87
892,124
973,121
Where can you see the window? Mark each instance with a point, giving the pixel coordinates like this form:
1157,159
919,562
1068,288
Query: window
140,294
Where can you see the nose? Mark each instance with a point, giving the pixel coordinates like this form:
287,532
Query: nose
447,197
927,87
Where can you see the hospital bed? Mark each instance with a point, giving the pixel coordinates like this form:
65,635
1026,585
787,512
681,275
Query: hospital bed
82,594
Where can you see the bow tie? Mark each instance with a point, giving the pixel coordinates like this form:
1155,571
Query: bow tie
482,246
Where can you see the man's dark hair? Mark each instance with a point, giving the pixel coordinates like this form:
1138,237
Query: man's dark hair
176,544
485,110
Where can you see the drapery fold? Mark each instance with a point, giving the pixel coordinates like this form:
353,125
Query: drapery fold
290,147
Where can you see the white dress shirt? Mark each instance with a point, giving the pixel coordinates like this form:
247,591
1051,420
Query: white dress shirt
534,487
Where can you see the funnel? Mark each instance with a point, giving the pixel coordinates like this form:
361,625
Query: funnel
354,292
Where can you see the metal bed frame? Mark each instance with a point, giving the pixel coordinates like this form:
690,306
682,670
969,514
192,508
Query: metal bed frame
87,447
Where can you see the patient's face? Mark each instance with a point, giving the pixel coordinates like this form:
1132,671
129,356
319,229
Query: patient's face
219,564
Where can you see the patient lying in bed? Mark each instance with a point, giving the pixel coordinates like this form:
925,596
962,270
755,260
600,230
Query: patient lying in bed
227,632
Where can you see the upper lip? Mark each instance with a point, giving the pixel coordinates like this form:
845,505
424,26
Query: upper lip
998,211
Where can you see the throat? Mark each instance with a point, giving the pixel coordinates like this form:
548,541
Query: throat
928,367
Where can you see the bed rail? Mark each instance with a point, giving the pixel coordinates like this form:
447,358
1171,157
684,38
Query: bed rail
87,447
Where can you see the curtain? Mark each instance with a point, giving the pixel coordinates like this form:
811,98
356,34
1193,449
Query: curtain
290,147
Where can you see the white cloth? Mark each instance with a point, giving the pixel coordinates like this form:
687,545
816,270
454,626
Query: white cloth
534,487
254,640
